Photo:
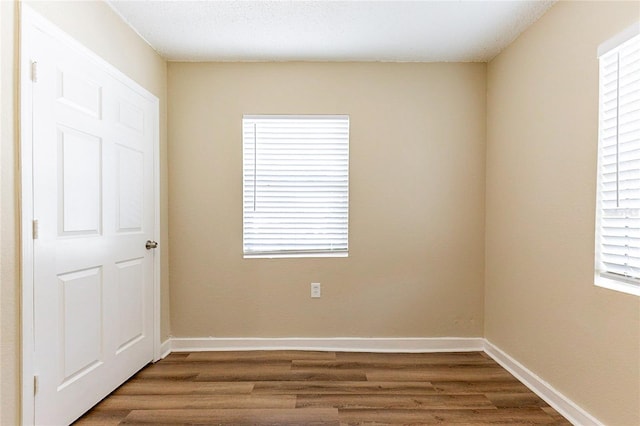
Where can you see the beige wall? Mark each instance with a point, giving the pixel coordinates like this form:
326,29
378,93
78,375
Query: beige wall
415,265
96,26
541,305
9,284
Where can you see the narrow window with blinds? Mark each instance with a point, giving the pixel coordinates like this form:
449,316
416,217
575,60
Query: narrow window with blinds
295,185
618,195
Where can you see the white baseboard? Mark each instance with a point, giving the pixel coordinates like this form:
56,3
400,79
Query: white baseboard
350,344
165,348
563,405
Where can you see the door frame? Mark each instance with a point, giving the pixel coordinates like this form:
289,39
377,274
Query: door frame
30,23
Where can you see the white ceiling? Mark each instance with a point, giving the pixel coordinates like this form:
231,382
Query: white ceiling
321,30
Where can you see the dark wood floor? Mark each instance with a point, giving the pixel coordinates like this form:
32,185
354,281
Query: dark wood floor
314,388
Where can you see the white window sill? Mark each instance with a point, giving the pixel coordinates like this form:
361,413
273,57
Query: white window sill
621,286
294,255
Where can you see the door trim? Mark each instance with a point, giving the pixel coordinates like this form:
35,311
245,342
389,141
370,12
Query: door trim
30,23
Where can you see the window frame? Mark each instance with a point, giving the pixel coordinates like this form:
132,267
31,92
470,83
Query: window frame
310,253
602,277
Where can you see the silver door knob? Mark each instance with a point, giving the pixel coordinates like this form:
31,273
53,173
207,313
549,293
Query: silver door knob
151,245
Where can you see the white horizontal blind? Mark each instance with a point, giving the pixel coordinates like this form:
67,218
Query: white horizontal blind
295,184
618,215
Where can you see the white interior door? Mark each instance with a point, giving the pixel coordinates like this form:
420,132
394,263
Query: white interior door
93,200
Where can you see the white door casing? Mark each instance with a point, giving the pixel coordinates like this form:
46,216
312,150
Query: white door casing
90,311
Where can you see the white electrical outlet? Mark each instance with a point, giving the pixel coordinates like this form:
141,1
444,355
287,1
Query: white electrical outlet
315,290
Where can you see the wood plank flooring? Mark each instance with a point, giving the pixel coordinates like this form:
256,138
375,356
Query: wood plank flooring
322,388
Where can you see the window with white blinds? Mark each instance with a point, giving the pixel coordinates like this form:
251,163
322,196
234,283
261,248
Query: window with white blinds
618,204
295,185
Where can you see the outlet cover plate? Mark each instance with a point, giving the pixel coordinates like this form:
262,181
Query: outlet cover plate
316,291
